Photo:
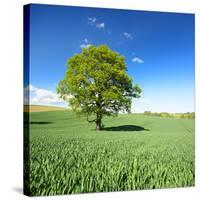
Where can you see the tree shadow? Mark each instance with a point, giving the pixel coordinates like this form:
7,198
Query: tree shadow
125,128
41,123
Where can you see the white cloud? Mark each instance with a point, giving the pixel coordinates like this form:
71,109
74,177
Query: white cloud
86,40
85,44
137,60
91,20
100,25
29,88
39,96
127,35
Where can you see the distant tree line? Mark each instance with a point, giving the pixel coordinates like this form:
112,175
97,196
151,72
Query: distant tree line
188,115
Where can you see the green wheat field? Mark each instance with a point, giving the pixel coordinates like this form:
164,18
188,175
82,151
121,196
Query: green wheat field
134,151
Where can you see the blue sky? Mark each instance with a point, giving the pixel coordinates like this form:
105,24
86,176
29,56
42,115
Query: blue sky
159,51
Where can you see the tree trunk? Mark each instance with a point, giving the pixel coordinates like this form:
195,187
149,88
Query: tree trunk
98,123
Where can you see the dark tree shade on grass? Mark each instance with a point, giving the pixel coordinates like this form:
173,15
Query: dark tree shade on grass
97,84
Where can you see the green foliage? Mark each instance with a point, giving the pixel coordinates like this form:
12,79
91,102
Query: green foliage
68,157
98,84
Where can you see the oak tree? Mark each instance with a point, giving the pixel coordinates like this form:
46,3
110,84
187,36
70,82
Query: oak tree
96,84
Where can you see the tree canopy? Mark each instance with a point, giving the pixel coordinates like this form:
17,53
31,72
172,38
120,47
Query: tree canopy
97,85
